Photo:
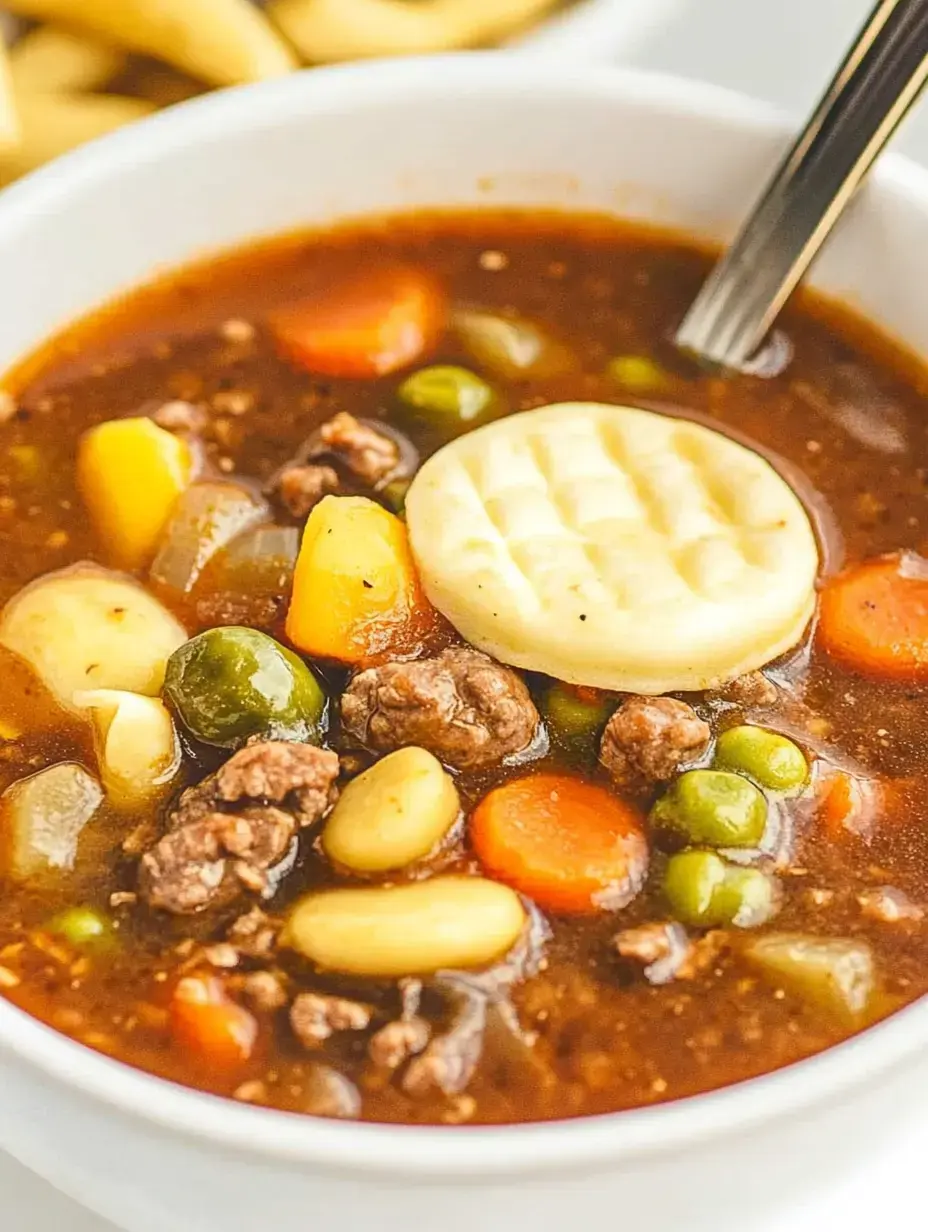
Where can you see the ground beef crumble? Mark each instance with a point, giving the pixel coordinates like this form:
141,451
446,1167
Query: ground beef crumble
666,952
178,416
888,905
277,769
649,739
448,1063
266,990
316,1018
394,1044
370,456
227,832
751,689
460,705
301,487
254,934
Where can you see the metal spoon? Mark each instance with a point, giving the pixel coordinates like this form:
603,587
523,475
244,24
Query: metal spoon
881,77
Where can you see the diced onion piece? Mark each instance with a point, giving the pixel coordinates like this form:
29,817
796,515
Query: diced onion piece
89,628
834,973
511,347
41,819
261,560
207,517
137,746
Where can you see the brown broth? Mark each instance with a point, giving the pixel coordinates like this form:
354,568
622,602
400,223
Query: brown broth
604,1039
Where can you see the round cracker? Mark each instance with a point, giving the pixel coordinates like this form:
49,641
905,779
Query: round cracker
614,547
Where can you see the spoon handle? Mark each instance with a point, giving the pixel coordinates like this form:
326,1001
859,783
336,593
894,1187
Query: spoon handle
880,79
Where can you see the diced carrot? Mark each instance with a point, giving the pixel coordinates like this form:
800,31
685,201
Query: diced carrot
873,618
571,846
207,1022
367,327
589,695
356,593
846,803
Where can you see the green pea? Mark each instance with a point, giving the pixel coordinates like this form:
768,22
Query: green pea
449,398
84,928
713,807
768,758
573,718
231,683
705,891
637,373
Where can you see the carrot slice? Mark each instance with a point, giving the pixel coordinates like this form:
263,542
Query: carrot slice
367,327
873,618
569,845
205,1021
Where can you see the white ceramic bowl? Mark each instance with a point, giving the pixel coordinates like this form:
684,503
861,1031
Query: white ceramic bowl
472,130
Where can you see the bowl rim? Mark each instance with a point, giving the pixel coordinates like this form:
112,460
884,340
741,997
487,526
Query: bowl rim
396,1151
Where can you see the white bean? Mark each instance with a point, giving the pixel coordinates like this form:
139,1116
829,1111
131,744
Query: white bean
412,929
392,815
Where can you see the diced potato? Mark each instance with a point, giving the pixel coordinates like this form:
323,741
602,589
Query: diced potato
393,814
355,589
208,516
52,124
88,628
834,973
130,473
41,819
223,42
137,746
52,59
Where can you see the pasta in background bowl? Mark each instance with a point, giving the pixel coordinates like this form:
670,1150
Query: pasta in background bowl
77,69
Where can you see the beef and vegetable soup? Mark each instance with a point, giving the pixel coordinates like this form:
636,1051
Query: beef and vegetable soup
430,698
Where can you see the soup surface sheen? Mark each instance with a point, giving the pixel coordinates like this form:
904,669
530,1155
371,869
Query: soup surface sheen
554,900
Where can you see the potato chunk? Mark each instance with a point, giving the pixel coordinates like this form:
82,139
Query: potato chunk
41,819
355,590
130,473
834,973
88,628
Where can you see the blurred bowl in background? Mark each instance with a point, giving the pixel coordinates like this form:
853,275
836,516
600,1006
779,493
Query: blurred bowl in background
601,29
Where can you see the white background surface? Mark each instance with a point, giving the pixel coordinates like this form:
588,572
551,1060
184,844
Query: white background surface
784,52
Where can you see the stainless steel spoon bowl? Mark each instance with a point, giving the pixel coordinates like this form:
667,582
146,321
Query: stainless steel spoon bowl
881,77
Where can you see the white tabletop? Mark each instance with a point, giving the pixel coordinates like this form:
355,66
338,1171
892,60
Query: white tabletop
32,1206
